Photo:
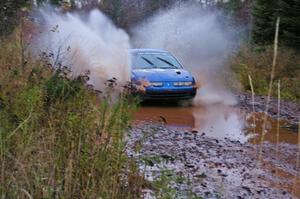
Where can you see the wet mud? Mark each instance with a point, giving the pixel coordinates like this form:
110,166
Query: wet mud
215,148
213,168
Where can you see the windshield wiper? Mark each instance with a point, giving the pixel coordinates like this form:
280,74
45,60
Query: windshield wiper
147,60
167,62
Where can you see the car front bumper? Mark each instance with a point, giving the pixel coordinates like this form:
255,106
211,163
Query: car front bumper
167,93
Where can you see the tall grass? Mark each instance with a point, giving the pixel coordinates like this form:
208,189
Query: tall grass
57,138
255,61
269,90
278,121
253,104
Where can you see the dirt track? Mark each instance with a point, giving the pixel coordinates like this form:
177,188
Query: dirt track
213,168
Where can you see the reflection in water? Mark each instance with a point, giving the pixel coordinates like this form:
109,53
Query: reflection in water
217,121
178,117
286,135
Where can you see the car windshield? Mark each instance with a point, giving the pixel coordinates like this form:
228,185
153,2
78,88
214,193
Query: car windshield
149,60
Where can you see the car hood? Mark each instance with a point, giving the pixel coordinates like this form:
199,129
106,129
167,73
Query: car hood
161,75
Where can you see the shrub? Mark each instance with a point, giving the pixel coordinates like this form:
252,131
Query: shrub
257,63
58,139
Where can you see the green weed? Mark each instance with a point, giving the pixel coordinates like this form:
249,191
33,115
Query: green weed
257,64
58,138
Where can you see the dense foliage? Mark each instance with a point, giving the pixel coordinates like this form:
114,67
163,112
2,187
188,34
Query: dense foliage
265,14
124,13
264,22
257,63
10,14
289,12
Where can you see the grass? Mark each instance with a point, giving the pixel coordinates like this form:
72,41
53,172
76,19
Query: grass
253,105
164,188
254,61
278,122
57,138
265,119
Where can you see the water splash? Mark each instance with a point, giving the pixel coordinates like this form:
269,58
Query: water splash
85,43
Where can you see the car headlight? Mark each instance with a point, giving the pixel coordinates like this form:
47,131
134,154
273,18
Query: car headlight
156,84
183,83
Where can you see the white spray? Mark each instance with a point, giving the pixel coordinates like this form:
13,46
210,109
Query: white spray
200,43
91,44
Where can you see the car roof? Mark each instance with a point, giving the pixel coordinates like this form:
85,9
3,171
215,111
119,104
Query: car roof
147,50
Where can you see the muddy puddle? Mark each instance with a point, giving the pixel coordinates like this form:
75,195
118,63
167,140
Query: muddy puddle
277,172
217,121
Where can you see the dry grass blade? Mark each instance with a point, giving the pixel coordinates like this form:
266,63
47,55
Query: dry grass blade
26,193
252,101
278,120
19,126
252,96
269,90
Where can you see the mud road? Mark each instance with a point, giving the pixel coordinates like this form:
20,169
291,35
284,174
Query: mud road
215,150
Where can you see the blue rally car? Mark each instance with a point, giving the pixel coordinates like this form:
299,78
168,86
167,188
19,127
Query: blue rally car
158,75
